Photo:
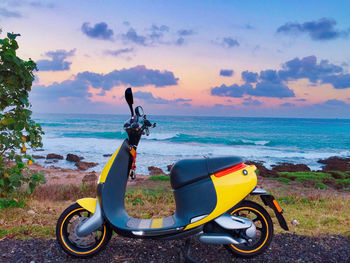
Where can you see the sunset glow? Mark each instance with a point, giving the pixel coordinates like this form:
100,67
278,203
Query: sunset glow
172,54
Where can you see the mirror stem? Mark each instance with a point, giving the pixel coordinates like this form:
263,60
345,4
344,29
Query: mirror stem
132,110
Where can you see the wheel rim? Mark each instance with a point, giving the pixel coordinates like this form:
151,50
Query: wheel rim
262,230
74,243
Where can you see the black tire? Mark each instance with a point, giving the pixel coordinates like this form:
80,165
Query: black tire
263,240
101,237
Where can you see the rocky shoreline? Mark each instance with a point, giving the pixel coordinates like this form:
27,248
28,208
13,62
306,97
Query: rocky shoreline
334,173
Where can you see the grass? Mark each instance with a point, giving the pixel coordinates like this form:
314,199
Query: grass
283,180
159,178
319,180
317,211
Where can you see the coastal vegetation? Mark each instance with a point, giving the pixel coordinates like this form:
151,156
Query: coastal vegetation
309,211
17,130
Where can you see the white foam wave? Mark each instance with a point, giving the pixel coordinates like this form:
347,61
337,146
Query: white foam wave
161,136
162,153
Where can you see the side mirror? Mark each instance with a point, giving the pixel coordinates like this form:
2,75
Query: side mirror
139,111
129,99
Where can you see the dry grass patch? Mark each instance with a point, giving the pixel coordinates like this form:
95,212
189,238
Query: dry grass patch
317,211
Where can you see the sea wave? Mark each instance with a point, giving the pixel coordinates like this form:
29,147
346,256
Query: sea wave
214,140
94,134
172,137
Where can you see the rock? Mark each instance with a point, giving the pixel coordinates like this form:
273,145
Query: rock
47,162
38,150
38,156
85,165
290,167
295,222
55,161
90,178
73,158
54,156
263,171
169,166
107,155
336,164
155,170
31,212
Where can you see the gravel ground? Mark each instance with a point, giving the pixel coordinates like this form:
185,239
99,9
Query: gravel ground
285,248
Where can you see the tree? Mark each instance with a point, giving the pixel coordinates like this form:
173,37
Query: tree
17,130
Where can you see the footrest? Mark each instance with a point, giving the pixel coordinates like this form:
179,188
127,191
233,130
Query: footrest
150,223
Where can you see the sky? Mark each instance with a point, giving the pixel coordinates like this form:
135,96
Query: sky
218,58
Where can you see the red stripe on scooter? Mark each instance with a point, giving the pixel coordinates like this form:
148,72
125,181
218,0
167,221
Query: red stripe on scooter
230,170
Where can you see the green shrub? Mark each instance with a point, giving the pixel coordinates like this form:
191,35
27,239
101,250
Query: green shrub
159,178
321,186
283,180
343,182
17,130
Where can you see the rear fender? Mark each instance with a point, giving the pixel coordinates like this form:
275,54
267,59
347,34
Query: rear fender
271,202
88,203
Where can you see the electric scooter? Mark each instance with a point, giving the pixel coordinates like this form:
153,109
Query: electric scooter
210,203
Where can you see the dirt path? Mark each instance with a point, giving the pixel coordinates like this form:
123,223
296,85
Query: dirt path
285,248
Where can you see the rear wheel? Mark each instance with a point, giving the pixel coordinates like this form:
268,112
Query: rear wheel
74,245
264,230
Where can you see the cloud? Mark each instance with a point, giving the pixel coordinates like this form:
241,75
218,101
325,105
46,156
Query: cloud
308,68
118,52
334,103
157,32
149,98
98,31
7,13
271,89
57,61
341,81
234,91
250,77
133,37
273,83
226,72
248,26
287,104
300,99
250,102
78,87
180,41
228,42
322,29
157,35
41,4
264,88
185,32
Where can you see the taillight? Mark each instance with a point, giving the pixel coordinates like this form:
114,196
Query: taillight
230,170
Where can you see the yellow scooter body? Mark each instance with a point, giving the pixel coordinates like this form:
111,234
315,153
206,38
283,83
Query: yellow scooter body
230,190
231,186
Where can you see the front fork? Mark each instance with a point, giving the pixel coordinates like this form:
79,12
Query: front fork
95,221
271,202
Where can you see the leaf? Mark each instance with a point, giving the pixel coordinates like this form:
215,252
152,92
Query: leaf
12,36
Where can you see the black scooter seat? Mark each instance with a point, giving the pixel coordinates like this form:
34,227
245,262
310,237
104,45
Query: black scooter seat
191,170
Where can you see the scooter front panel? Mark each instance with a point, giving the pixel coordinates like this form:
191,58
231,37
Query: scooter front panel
108,166
113,190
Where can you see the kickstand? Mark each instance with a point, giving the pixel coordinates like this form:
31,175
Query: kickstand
187,250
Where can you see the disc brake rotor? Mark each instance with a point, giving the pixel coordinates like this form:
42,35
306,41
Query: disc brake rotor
85,241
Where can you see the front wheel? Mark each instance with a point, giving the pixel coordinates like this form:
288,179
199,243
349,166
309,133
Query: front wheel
264,230
74,245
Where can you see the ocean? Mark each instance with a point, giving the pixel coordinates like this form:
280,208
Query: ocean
271,140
